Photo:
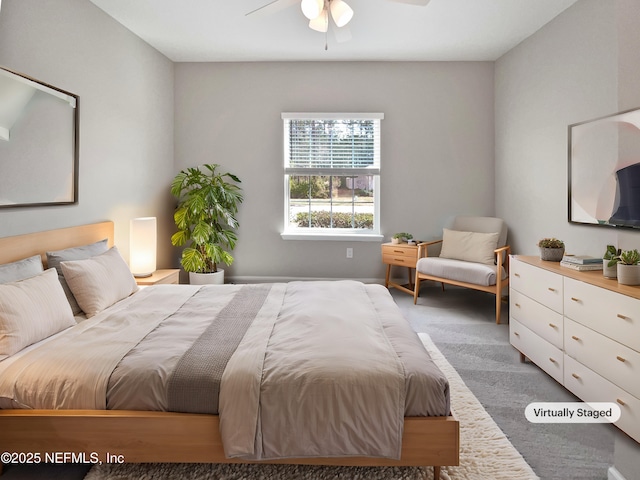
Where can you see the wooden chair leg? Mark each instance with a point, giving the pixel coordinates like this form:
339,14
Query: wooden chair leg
416,289
436,473
498,307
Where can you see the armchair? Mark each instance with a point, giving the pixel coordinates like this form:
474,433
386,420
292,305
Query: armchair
474,255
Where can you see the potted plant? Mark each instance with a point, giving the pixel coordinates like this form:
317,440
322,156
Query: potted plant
610,261
551,249
401,237
629,268
206,220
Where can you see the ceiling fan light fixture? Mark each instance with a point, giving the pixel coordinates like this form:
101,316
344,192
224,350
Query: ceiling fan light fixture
311,8
320,23
341,12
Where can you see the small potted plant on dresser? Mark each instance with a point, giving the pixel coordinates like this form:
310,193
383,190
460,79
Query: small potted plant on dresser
610,262
629,268
206,220
401,237
551,249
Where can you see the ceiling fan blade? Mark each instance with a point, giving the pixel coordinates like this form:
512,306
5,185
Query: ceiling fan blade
271,7
422,3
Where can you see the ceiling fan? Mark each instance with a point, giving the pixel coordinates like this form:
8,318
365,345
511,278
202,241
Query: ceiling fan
319,11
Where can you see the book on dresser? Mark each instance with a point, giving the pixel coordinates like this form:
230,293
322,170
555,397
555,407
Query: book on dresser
582,259
582,267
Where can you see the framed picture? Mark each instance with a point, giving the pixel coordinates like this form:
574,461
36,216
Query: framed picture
38,143
604,171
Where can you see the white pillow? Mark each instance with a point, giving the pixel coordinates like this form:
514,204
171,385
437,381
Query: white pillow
32,310
469,246
99,282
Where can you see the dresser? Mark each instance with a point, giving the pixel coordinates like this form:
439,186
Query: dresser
580,328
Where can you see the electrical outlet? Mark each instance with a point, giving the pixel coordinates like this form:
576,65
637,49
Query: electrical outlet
349,252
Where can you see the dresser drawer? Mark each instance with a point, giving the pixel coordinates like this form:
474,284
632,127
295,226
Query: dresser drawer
541,285
591,387
538,350
537,318
612,360
615,315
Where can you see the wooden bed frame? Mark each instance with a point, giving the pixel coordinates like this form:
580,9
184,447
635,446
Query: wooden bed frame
139,436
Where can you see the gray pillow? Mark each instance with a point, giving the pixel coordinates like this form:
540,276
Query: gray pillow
20,270
75,253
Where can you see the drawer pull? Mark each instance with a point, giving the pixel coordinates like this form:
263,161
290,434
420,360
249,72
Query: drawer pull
553,326
552,360
517,305
577,339
516,334
620,402
621,359
551,289
623,317
398,251
576,376
398,260
516,275
575,299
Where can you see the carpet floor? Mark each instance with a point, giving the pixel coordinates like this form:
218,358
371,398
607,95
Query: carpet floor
485,453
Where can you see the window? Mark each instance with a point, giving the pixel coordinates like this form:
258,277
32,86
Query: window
332,175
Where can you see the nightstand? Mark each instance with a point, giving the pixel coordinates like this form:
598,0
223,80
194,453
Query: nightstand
160,277
403,255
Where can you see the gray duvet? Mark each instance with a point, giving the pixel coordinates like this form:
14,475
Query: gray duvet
305,369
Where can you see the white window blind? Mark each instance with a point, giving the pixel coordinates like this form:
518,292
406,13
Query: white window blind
332,144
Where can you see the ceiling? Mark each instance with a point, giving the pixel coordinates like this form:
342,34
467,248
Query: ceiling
444,30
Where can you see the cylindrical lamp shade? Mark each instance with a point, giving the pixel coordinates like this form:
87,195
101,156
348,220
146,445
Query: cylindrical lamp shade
341,12
142,246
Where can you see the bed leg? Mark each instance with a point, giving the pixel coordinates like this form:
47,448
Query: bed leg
436,473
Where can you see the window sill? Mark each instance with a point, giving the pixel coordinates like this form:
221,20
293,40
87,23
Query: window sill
339,237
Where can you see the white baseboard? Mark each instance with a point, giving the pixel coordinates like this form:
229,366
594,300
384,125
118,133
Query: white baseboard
614,474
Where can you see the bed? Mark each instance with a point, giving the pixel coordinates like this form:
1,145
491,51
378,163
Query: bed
161,436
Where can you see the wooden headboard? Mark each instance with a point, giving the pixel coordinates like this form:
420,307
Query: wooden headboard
23,246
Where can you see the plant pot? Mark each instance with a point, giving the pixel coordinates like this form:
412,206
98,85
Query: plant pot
395,241
628,274
607,271
215,278
551,254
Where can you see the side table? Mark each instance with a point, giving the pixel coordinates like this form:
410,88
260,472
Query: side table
160,277
402,255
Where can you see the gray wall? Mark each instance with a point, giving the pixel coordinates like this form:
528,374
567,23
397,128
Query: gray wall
126,114
437,149
580,66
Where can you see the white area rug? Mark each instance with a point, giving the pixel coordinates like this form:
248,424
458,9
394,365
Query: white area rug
485,453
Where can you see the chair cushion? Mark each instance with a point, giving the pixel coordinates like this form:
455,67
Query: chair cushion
469,246
459,270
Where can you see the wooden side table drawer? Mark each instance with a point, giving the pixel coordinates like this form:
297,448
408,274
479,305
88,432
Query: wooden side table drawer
403,255
401,260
